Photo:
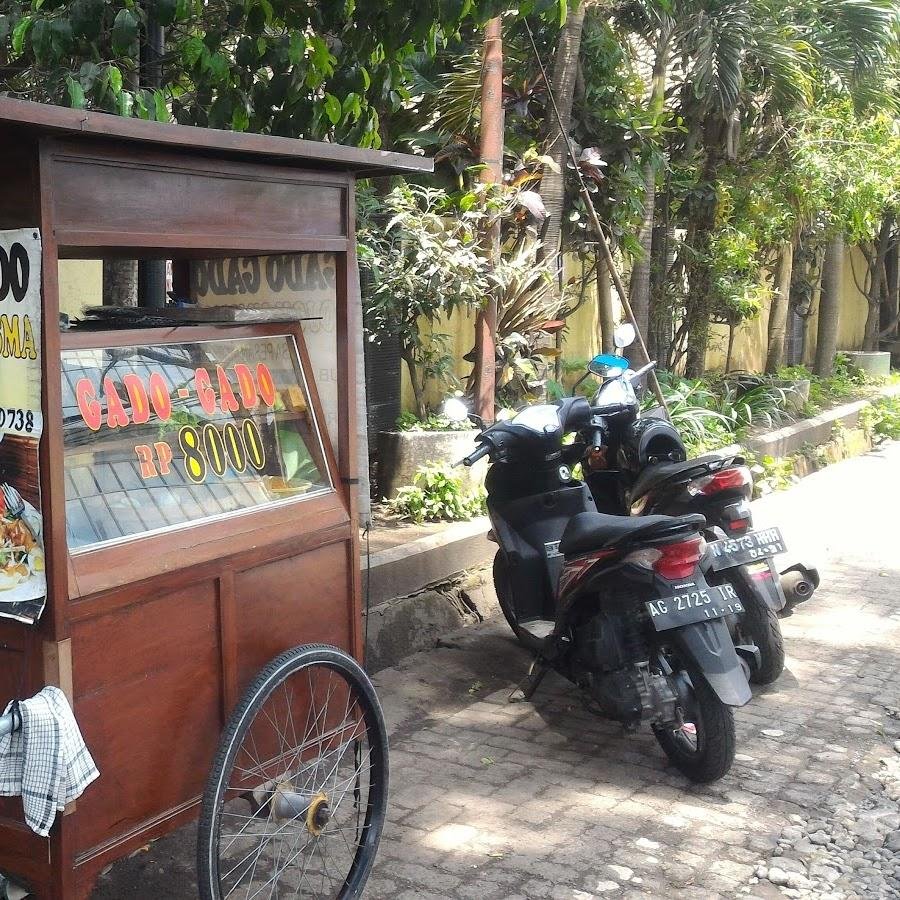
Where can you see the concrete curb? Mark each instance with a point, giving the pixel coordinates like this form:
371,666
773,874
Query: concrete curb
407,568
816,430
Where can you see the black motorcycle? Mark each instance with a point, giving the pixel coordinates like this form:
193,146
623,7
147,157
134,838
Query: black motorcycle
621,606
637,464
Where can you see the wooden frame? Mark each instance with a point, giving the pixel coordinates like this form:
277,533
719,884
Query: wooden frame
154,651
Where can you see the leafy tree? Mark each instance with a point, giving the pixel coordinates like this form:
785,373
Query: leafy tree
315,69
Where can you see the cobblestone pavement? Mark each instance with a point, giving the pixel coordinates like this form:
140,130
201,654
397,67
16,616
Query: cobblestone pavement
543,800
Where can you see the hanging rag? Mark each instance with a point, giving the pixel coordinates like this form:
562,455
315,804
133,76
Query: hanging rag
46,761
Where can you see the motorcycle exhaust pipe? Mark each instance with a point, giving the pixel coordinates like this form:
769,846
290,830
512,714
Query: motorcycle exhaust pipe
799,583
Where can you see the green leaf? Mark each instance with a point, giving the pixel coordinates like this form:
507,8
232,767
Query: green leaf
86,17
40,41
218,66
297,48
160,107
75,92
114,74
165,11
245,54
332,108
88,75
182,10
124,32
142,102
125,103
61,39
240,118
192,50
20,33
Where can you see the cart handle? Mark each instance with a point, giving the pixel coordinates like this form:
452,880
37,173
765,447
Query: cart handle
10,722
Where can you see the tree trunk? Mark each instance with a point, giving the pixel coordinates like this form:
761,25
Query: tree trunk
877,281
892,299
639,288
778,312
732,328
605,306
418,387
120,278
702,220
830,306
562,85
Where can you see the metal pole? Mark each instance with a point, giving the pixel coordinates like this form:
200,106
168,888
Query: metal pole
606,253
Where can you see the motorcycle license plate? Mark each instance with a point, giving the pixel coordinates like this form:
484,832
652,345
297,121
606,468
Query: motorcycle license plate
695,603
754,546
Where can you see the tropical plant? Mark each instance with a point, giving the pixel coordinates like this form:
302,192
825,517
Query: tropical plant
422,249
437,494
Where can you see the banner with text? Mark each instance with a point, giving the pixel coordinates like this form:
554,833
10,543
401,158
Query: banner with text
23,583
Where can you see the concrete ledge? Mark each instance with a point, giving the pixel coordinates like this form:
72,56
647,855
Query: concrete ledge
429,560
404,625
817,430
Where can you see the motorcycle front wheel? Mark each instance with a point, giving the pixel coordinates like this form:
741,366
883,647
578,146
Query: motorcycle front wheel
702,747
504,596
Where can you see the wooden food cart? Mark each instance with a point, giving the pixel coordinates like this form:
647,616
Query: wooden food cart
166,592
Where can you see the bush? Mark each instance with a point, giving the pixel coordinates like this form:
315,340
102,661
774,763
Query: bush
885,418
437,495
411,422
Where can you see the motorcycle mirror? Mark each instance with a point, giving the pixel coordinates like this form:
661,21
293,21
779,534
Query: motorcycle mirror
624,335
606,365
455,410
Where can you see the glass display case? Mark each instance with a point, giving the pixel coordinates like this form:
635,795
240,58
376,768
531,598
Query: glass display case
171,433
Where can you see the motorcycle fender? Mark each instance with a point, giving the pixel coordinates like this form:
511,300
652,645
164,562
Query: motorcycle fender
768,587
708,646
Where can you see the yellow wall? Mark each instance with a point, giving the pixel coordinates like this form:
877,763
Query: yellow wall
750,342
80,285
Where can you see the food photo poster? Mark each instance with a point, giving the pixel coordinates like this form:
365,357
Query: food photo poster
23,581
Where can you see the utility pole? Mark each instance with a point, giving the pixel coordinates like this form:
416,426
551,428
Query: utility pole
491,153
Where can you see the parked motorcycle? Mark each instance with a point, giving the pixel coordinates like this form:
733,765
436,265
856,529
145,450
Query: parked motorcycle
621,606
637,464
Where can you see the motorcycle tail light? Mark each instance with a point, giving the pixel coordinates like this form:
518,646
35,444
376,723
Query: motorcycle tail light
645,558
678,560
732,478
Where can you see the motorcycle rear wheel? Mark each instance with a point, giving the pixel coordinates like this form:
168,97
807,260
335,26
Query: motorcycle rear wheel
703,748
760,624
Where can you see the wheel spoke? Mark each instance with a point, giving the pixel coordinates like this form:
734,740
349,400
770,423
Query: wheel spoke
282,823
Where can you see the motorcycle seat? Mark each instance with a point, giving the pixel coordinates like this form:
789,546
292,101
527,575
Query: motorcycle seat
597,531
654,475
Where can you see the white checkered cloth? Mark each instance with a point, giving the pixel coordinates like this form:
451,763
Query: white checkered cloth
46,762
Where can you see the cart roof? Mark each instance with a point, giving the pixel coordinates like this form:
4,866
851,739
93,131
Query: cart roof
43,118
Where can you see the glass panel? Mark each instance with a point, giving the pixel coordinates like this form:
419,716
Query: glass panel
165,435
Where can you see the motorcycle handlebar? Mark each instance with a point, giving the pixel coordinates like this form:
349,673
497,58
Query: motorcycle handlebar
611,409
642,371
473,457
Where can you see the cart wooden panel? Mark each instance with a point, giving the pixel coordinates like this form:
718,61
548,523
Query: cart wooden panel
154,638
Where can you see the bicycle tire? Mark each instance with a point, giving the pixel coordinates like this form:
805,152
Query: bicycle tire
220,789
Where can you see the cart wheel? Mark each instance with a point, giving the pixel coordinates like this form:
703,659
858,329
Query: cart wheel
296,798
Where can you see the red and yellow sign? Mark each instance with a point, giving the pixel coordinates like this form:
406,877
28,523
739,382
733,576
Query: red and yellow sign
207,448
